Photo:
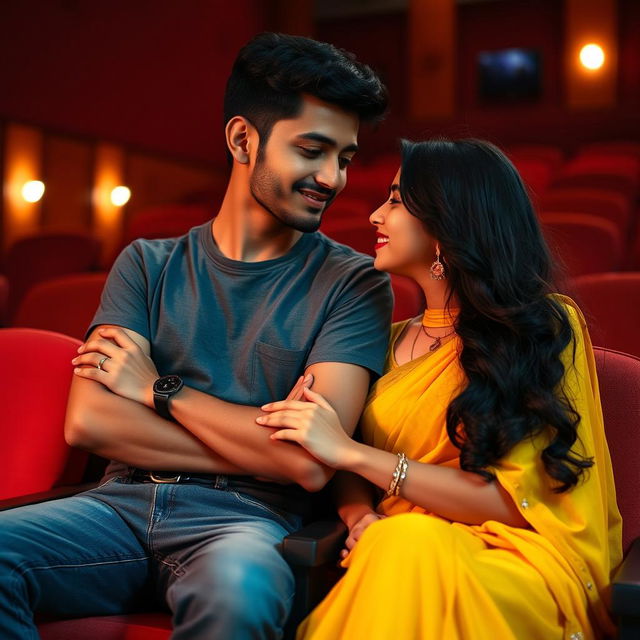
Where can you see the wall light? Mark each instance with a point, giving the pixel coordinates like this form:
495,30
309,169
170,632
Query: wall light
33,190
120,196
592,56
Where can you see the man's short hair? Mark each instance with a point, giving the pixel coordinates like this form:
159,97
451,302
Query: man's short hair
273,71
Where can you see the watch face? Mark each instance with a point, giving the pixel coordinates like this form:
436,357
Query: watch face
167,384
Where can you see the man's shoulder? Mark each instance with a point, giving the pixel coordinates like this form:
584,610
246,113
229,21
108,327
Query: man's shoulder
158,250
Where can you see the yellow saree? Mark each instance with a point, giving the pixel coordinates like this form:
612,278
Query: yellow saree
417,575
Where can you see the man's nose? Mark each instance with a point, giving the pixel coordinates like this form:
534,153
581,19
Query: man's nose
329,175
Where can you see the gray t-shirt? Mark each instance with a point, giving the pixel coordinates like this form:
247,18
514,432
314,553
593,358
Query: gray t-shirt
245,331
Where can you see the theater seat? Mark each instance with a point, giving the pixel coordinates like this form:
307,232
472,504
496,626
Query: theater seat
611,302
584,243
165,221
45,255
66,304
36,370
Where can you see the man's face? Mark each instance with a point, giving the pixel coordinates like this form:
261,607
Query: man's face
304,164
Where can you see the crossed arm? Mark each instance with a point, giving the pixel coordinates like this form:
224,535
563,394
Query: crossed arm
110,412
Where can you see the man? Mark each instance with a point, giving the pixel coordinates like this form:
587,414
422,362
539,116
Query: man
192,336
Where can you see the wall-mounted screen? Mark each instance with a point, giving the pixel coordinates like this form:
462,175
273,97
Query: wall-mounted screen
509,75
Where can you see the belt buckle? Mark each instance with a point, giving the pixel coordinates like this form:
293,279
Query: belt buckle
164,479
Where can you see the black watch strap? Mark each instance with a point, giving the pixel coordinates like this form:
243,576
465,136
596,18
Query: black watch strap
163,389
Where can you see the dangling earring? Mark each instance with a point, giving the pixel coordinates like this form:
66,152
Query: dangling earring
437,268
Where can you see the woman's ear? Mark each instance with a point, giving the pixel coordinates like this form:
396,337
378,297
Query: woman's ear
239,133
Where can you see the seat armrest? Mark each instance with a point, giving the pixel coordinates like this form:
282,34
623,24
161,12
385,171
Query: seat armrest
316,544
625,593
43,496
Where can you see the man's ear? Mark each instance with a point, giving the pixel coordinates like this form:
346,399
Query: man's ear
241,137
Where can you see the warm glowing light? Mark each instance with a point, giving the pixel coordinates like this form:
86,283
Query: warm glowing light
592,56
33,190
120,195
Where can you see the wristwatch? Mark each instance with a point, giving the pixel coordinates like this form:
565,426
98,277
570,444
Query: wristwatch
163,389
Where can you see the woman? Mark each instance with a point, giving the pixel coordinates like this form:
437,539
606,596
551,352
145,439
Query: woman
498,518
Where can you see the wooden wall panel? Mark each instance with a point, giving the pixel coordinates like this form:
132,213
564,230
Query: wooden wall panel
67,170
22,162
431,58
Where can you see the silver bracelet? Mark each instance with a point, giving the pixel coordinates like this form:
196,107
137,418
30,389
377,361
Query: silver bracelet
400,472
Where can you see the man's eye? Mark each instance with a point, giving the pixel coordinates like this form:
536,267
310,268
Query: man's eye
344,162
311,153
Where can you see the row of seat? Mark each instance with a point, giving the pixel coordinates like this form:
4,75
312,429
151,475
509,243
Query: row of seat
611,302
36,458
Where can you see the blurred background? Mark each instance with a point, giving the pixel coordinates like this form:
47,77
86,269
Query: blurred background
111,124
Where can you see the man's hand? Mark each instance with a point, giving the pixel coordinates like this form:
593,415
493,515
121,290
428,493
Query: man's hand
117,362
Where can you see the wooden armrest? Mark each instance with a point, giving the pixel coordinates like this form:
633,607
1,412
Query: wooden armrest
316,544
43,496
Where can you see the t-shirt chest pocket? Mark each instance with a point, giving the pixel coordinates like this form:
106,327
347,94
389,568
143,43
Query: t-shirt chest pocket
274,372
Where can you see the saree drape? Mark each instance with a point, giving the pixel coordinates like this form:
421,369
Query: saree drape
417,575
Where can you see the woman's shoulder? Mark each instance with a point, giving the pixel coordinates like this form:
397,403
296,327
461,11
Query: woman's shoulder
571,308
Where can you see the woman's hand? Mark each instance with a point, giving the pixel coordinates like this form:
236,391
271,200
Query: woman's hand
357,529
118,363
312,424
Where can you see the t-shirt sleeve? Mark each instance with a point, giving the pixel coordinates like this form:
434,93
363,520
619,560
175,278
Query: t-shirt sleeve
124,297
356,330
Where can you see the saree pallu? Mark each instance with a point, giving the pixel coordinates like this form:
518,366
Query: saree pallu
416,575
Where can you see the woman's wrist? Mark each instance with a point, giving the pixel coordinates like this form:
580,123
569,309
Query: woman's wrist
352,456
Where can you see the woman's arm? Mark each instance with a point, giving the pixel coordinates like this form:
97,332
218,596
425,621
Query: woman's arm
457,495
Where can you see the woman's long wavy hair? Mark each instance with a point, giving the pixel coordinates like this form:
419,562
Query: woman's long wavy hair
471,199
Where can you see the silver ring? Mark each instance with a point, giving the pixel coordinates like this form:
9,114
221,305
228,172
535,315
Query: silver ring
102,361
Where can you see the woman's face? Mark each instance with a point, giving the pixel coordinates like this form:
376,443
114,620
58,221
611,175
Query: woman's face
403,246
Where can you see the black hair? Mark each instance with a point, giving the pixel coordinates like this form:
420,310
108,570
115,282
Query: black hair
273,70
471,199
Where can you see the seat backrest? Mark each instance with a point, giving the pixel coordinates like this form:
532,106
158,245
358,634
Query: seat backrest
66,304
47,255
165,221
611,302
599,202
619,382
585,243
36,370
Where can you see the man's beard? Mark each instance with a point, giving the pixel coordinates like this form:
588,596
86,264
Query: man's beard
267,191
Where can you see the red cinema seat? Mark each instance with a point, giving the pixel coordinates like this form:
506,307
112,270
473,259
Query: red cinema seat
66,304
36,370
165,221
611,302
609,205
584,243
45,255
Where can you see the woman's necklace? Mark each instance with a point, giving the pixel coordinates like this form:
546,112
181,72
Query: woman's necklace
437,340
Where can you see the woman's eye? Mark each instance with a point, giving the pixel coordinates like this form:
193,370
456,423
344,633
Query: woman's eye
393,200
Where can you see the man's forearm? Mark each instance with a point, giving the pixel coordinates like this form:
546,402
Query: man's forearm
121,429
231,431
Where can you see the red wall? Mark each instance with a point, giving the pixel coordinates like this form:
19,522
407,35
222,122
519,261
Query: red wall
151,73
536,24
146,73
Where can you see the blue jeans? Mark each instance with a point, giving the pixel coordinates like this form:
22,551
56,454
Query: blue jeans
211,554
